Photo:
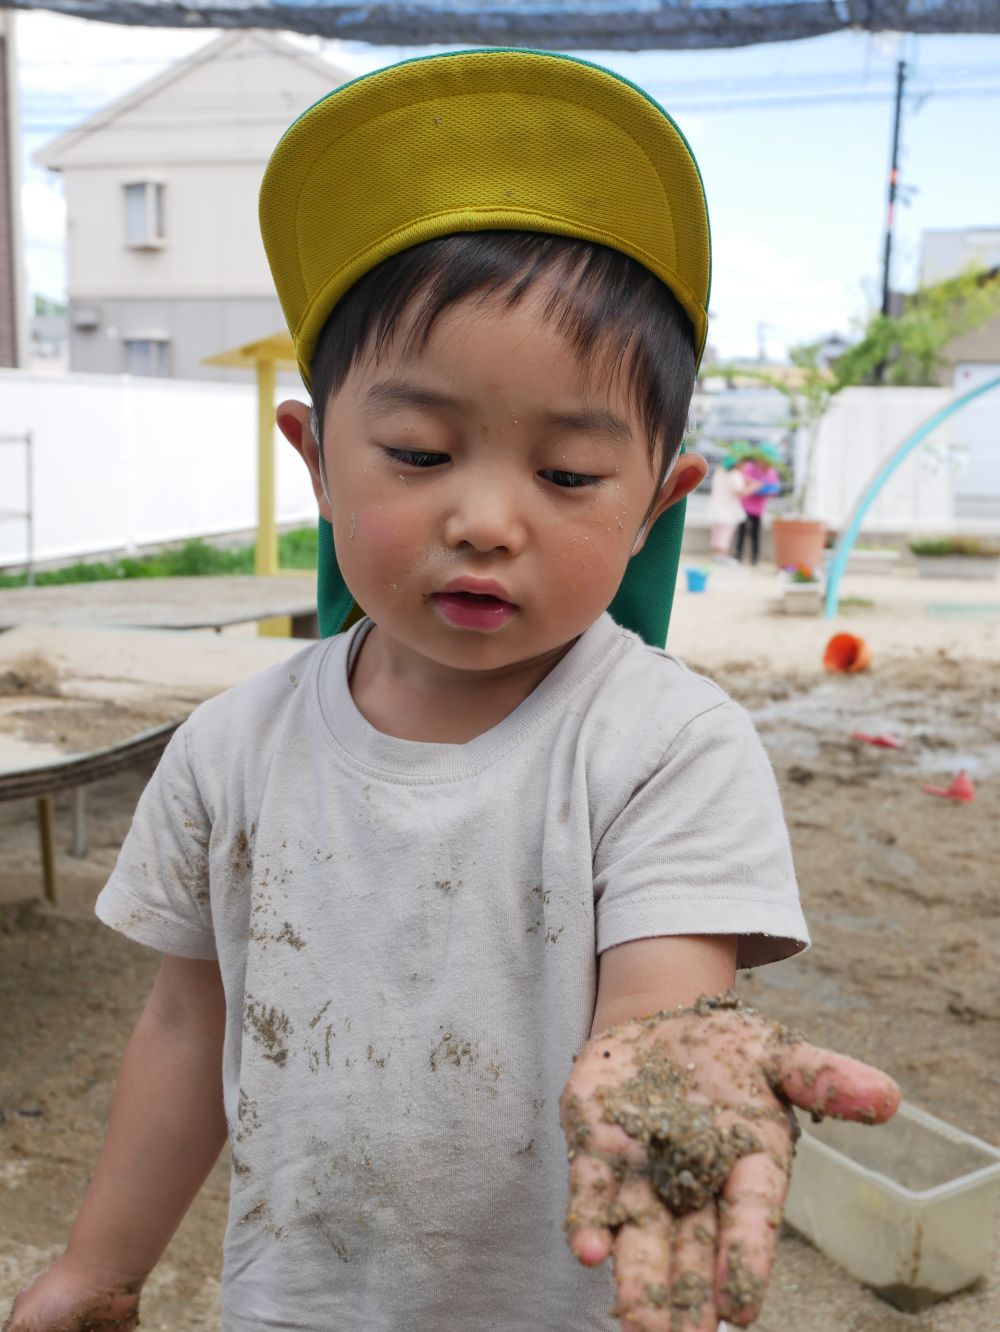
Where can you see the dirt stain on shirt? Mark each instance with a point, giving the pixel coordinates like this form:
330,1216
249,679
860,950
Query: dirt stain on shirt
270,1028
453,1050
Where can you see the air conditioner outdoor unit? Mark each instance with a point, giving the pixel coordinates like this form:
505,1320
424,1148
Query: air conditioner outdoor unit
86,317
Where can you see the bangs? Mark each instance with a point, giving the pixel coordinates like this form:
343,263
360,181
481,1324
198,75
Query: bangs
621,321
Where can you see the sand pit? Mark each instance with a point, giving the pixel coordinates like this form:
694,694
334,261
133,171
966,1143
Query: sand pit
900,890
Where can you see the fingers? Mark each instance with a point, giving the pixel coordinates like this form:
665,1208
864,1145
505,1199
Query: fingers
749,1221
825,1083
593,1188
642,1259
692,1301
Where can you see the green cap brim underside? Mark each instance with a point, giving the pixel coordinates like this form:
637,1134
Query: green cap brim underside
642,603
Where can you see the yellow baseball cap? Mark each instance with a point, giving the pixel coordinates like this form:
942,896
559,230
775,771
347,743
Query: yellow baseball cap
492,140
489,140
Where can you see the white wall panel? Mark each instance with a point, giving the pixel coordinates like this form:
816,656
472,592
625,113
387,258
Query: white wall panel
862,428
121,463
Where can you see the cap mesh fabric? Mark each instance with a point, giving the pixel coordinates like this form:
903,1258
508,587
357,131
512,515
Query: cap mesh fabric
488,140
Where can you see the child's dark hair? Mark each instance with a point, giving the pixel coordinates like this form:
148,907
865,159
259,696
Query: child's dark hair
602,300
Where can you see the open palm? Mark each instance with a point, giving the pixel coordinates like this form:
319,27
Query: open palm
680,1140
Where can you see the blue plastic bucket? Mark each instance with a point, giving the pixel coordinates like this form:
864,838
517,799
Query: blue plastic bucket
697,579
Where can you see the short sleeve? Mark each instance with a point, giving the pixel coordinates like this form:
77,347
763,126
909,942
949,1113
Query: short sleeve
701,847
158,893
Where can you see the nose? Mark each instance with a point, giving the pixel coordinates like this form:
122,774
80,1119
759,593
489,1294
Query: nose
486,513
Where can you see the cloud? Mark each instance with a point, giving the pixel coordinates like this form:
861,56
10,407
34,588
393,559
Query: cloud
94,62
753,283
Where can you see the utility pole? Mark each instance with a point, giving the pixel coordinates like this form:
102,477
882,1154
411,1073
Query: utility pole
13,312
893,185
762,343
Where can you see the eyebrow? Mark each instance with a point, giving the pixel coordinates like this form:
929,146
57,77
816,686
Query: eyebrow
403,393
591,421
598,421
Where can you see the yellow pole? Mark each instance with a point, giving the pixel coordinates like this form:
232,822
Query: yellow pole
266,553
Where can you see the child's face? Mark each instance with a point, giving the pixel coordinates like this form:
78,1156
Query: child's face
487,455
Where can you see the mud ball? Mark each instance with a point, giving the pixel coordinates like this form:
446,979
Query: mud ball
689,1169
689,1156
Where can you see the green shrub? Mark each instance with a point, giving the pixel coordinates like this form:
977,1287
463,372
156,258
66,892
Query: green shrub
297,549
954,545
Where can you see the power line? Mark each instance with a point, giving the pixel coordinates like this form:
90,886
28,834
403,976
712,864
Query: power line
57,123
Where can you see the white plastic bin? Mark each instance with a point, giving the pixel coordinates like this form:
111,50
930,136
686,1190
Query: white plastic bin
906,1207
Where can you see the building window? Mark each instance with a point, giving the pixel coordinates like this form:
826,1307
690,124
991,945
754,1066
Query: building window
145,215
147,356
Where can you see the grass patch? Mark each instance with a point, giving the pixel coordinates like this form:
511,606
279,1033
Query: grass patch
297,549
855,604
955,545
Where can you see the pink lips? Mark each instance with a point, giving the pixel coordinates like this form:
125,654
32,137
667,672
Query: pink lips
475,603
481,587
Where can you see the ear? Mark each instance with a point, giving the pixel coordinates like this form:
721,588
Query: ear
294,422
687,474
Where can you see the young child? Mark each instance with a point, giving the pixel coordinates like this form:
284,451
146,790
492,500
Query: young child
725,512
401,881
761,481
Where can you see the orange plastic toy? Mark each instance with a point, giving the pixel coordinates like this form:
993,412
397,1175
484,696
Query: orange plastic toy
847,652
960,789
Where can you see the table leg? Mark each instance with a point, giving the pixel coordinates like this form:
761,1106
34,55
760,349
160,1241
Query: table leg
305,626
78,806
48,849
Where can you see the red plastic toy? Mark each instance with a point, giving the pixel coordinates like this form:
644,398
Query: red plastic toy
960,789
848,653
880,741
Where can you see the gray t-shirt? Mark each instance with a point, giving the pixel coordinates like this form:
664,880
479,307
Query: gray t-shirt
408,936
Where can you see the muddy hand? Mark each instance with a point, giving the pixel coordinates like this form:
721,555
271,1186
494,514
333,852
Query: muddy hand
680,1143
71,1297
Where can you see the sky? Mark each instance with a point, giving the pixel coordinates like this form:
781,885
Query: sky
792,139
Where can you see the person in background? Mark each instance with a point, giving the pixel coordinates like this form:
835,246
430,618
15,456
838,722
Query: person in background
725,512
761,481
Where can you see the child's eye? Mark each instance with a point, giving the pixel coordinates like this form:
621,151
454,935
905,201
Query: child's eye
415,457
570,480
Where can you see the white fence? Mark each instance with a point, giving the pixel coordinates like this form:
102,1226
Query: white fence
121,463
862,428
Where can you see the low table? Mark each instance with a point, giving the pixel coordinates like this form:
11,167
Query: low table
213,602
80,704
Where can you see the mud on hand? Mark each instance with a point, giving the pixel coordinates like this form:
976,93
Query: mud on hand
680,1141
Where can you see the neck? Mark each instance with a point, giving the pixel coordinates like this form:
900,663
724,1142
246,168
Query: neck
408,696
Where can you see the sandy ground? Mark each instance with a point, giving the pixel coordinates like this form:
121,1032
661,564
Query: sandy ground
900,890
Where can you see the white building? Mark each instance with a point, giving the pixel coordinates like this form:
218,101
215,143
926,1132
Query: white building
947,251
164,260
972,359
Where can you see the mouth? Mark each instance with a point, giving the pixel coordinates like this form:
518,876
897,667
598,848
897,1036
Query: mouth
473,610
476,598
482,589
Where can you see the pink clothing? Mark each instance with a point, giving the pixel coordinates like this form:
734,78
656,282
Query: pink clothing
756,503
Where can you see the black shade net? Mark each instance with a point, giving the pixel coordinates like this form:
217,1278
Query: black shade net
563,25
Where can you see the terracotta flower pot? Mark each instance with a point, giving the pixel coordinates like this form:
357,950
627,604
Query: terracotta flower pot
798,541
